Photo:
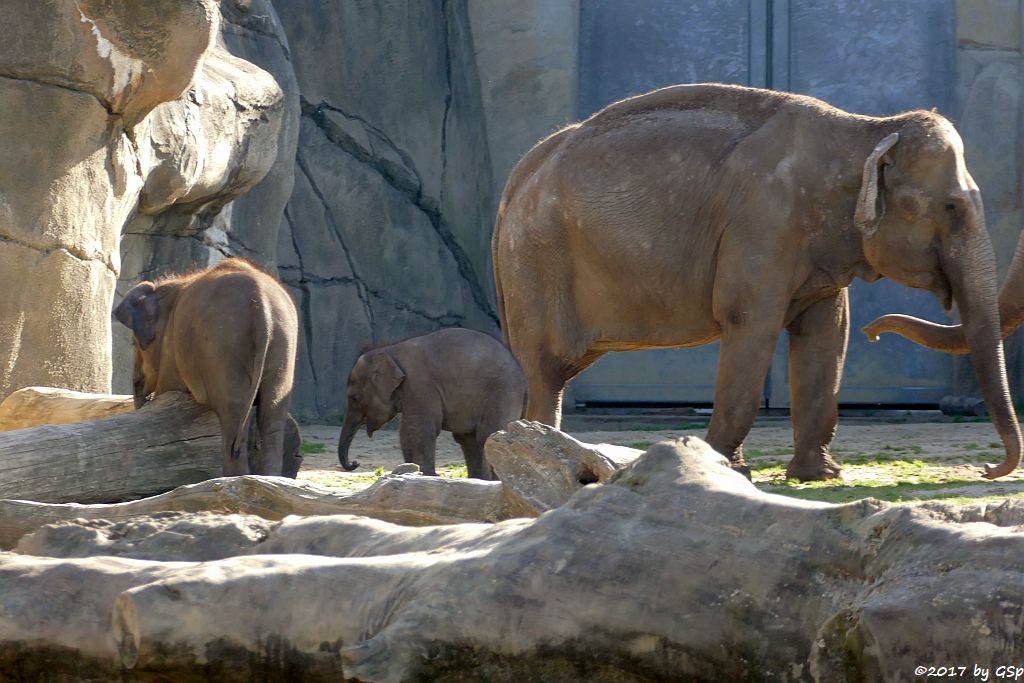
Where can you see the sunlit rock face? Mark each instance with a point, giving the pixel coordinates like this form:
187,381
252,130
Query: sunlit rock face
117,115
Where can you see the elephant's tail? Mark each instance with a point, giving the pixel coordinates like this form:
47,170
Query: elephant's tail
261,347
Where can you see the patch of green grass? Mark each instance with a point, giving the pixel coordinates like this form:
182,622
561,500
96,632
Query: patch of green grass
642,445
879,475
311,447
894,493
453,471
340,481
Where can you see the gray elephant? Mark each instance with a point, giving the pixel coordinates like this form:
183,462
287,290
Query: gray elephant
698,213
228,336
456,380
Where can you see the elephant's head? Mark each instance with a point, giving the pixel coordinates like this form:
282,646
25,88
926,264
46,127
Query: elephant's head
923,225
144,310
374,398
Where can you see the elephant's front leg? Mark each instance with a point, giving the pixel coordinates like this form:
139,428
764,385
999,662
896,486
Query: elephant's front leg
139,391
817,350
743,362
418,437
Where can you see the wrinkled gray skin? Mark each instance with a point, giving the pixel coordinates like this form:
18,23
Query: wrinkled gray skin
228,336
709,212
456,380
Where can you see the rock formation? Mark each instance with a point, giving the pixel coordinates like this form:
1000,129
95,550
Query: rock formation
389,224
112,111
676,568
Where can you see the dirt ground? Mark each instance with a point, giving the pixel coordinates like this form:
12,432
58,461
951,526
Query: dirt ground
896,461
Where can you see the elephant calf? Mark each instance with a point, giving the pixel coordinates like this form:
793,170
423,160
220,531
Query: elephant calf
456,380
228,336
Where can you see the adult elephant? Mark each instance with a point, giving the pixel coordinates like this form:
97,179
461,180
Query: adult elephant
704,212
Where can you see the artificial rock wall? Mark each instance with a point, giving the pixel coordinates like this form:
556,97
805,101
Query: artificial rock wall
400,121
108,111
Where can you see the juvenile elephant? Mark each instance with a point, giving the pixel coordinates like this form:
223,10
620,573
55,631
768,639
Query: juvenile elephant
227,335
457,380
704,212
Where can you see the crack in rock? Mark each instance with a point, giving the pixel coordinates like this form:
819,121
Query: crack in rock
63,86
70,251
402,177
333,223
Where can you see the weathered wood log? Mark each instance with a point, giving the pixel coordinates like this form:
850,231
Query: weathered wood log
404,499
169,442
542,467
676,569
35,406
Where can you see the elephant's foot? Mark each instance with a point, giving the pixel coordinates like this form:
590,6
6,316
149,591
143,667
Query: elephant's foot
736,462
818,467
741,467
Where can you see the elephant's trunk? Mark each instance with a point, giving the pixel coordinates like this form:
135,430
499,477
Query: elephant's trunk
348,432
951,338
972,276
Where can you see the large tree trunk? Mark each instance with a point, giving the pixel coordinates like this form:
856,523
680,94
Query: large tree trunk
35,406
677,568
169,442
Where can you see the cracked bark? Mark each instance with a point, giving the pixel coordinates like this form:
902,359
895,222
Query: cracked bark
169,442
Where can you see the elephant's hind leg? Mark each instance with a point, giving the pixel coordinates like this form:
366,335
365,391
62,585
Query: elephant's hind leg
817,350
272,421
235,441
473,451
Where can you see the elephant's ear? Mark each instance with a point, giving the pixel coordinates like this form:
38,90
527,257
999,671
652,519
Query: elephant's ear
140,313
871,202
387,375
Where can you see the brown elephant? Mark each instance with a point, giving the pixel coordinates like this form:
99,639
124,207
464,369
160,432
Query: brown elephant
704,212
456,380
227,335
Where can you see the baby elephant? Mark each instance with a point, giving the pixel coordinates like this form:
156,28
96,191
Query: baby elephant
456,380
227,335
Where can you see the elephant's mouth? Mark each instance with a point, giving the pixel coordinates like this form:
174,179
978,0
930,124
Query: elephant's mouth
942,290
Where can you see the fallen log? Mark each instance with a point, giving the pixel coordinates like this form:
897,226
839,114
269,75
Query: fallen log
169,442
35,406
677,568
408,499
539,467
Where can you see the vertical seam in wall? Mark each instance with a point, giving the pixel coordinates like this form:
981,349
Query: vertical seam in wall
769,48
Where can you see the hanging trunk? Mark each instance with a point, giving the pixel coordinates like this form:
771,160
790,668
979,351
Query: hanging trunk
348,432
972,275
950,338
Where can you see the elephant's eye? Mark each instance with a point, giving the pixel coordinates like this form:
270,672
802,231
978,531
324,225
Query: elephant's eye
951,207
